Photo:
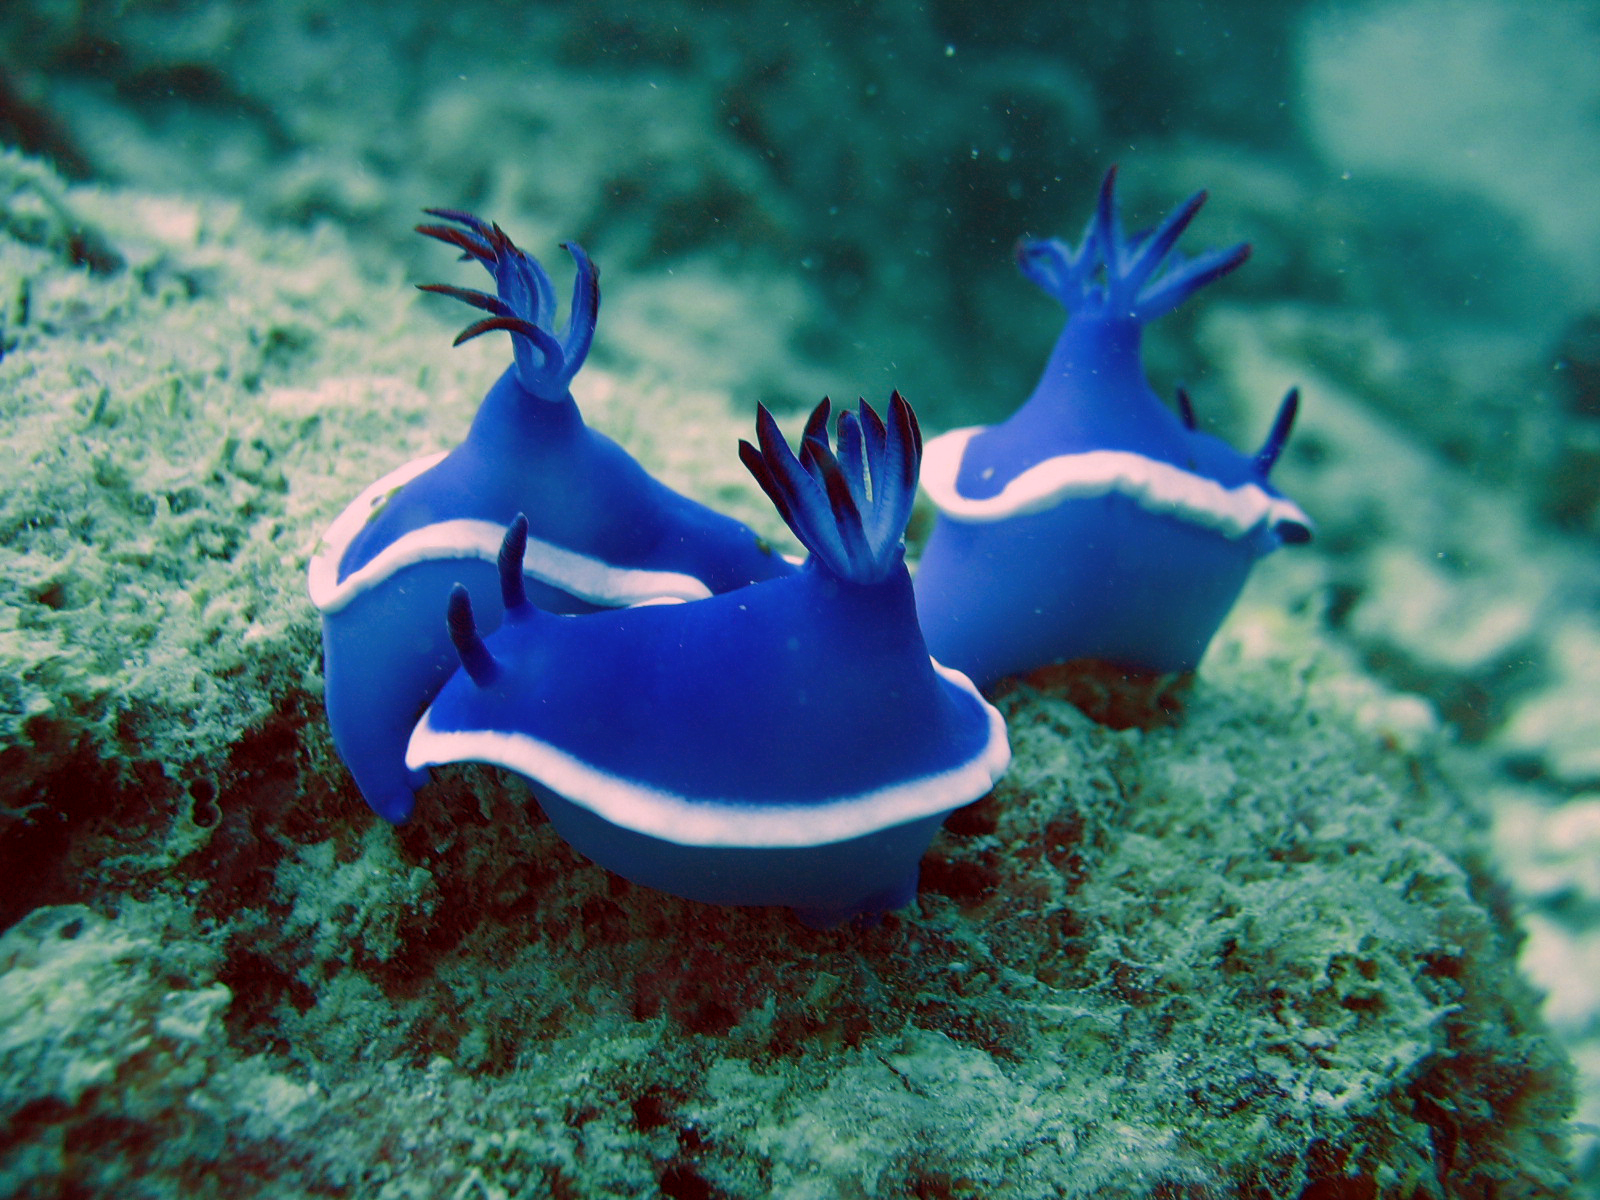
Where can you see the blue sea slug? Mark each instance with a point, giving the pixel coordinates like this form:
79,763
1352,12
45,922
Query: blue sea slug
602,531
1094,522
791,743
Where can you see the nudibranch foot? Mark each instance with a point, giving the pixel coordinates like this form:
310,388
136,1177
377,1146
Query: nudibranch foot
805,879
1096,522
790,743
602,533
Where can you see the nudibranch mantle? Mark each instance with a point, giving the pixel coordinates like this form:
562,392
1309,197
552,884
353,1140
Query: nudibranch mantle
790,743
583,577
769,760
1155,486
605,533
1095,522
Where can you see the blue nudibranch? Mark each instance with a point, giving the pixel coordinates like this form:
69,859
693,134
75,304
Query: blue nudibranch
790,743
603,532
1094,522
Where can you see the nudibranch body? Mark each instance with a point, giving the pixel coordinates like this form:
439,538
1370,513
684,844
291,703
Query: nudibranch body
603,532
791,743
1095,522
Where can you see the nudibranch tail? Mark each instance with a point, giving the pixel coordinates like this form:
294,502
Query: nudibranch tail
524,303
1138,278
849,509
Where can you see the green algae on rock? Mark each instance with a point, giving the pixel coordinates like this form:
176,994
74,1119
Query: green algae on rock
1250,950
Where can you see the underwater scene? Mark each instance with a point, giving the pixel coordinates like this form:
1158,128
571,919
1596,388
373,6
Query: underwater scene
728,599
